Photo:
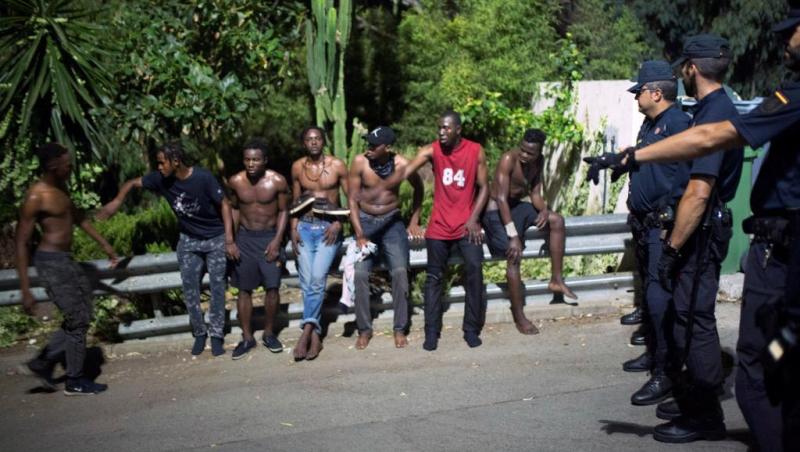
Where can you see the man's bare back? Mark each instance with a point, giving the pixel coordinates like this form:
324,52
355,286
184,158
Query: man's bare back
55,213
259,201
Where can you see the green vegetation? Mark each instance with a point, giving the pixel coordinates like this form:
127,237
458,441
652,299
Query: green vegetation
114,83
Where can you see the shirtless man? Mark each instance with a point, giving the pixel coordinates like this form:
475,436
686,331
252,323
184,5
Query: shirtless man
262,197
378,220
461,188
48,204
507,217
316,236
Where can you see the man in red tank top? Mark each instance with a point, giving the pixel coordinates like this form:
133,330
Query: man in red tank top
460,191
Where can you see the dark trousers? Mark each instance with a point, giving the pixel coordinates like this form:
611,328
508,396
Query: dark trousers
763,286
791,397
704,358
475,301
70,289
657,299
389,233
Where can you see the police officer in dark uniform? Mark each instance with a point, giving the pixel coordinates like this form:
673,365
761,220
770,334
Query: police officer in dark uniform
772,270
651,198
692,256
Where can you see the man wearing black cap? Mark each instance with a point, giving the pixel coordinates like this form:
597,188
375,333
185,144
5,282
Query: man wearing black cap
694,250
378,220
773,262
651,201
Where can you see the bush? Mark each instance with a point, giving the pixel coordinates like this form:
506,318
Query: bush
13,323
153,229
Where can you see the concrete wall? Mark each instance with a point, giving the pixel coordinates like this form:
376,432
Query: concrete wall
603,106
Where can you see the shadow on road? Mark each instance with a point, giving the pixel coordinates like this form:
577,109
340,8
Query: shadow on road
740,435
629,428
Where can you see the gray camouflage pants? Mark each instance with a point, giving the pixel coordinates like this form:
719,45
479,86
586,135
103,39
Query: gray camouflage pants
69,288
194,257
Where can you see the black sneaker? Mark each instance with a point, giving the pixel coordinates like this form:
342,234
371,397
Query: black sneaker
42,372
242,348
302,203
83,387
324,207
272,343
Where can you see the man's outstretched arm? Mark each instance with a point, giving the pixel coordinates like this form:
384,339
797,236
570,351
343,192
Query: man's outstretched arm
424,155
108,210
692,143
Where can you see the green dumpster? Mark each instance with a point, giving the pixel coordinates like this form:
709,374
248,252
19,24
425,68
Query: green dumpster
740,206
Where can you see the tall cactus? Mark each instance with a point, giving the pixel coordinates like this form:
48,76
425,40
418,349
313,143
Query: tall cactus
327,33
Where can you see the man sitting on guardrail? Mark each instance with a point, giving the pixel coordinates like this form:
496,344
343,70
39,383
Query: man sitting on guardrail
206,235
316,231
262,198
48,204
507,217
378,220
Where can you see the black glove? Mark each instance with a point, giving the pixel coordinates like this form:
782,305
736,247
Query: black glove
611,160
668,266
629,165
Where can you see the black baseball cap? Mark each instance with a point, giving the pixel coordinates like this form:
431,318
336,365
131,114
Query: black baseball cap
652,71
704,46
791,21
380,135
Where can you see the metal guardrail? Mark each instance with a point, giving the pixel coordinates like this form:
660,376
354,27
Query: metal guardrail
155,273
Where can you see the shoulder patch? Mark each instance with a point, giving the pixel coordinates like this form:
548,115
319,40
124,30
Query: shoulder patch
774,103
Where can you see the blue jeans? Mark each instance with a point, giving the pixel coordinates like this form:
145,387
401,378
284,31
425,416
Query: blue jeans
389,233
314,261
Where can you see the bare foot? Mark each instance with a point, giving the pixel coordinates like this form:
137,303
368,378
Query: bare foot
363,340
560,287
301,348
525,326
315,347
400,340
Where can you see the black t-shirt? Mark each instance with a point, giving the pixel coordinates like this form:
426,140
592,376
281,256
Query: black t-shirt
195,200
725,166
652,183
775,120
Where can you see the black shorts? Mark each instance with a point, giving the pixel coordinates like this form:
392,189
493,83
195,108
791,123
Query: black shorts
253,269
523,215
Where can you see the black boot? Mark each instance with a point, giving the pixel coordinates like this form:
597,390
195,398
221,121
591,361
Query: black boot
643,363
702,419
639,337
634,318
657,388
668,410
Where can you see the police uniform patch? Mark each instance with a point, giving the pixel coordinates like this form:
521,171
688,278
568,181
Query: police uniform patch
774,102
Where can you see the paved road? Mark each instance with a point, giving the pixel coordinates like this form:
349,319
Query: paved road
560,390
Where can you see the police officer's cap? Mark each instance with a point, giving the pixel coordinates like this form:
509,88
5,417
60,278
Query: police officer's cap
652,71
790,23
704,46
